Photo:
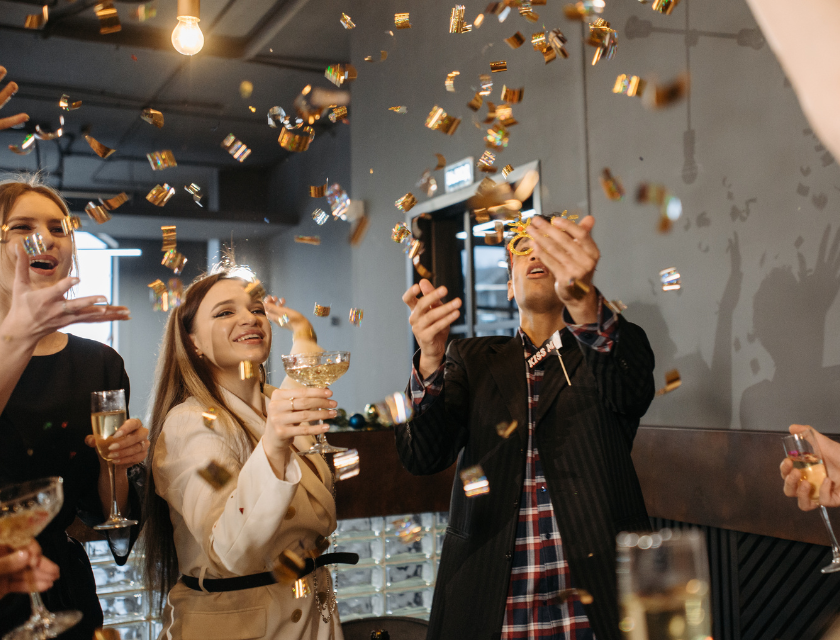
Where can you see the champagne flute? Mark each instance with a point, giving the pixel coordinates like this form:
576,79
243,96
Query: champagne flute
804,452
318,370
25,510
108,413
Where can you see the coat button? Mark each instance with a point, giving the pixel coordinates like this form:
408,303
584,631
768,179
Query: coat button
516,504
508,555
290,513
296,615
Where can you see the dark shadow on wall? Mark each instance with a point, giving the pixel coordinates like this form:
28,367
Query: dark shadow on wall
789,314
705,397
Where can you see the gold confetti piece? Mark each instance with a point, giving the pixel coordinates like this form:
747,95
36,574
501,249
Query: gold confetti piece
408,531
40,134
419,268
170,237
567,595
582,10
475,482
338,201
114,203
246,370
195,191
659,96
338,114
616,306
486,83
358,231
174,260
277,117
611,185
398,109
670,279
629,85
295,141
441,162
300,589
252,109
356,316
236,148
246,88
338,74
25,147
70,224
319,191
160,195
383,55
106,634
497,137
314,240
499,65
498,234
159,296
37,20
322,311
512,95
34,245
476,102
529,15
479,20
664,6
506,170
215,475
456,20
450,81
440,121
651,194
604,39
346,464
256,290
538,40
506,429
176,292
160,160
109,20
427,183
486,161
516,40
672,382
406,202
401,21
210,416
98,148
320,216
288,567
97,213
65,103
4,233
347,22
400,232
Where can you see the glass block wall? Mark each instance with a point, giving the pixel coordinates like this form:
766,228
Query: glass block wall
394,576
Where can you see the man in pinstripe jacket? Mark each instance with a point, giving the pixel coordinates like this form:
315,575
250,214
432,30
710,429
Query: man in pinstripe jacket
534,557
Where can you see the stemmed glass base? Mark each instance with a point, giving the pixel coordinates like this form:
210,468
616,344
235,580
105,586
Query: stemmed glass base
323,447
834,565
115,522
44,625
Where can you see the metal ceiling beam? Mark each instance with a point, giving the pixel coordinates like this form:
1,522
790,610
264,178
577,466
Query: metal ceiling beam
270,25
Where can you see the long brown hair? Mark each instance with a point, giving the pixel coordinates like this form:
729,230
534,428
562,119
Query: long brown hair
181,374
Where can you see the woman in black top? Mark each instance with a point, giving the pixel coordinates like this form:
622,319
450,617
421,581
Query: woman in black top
46,379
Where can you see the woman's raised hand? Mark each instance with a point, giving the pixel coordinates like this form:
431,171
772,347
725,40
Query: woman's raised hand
37,313
289,413
288,318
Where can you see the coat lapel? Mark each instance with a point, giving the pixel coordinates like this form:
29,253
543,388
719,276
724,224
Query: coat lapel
507,367
554,380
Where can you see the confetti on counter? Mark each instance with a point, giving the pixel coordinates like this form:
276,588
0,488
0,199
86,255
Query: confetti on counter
109,19
611,185
672,382
439,120
406,203
516,40
475,482
401,21
26,147
320,216
498,66
356,316
629,85
160,194
160,160
450,80
34,245
70,223
236,148
37,20
215,475
98,148
97,213
346,22
346,464
670,279
313,240
174,260
152,116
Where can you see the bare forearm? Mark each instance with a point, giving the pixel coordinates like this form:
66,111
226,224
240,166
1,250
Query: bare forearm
17,348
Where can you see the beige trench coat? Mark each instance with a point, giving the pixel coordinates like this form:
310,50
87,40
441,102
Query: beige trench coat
237,530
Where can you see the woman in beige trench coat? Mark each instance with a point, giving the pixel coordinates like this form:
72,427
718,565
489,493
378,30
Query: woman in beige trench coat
209,549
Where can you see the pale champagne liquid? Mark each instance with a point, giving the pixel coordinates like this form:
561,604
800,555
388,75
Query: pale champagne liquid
813,470
679,615
18,529
105,424
320,375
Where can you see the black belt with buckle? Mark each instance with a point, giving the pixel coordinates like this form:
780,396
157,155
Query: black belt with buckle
216,585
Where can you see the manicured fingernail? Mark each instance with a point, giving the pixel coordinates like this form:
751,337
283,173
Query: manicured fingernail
75,281
326,427
333,403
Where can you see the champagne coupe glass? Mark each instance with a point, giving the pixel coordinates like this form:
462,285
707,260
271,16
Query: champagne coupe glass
107,414
318,370
804,452
663,586
25,509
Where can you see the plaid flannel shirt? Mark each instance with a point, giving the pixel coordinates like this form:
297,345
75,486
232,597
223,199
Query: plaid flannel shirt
539,571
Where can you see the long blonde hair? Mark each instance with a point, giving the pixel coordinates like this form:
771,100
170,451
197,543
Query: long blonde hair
181,374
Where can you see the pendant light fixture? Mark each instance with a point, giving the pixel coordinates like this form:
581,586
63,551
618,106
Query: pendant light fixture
187,37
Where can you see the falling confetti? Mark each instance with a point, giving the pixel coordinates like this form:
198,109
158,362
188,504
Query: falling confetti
611,185
401,21
516,40
174,260
356,316
629,85
475,482
322,311
347,22
97,213
152,117
314,240
70,224
34,245
670,279
160,195
109,20
246,88
506,429
346,464
320,216
65,103
195,191
215,475
450,80
406,203
439,120
246,370
236,148
98,148
160,160
672,382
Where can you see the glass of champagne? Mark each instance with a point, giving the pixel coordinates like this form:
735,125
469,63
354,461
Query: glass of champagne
663,586
25,510
108,413
318,370
803,451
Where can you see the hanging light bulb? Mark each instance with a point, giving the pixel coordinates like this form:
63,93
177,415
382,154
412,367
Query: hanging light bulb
187,37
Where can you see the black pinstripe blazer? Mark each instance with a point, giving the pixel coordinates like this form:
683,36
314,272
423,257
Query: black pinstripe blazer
584,433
